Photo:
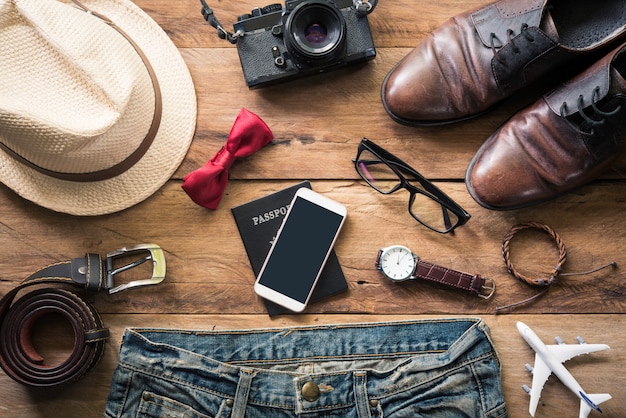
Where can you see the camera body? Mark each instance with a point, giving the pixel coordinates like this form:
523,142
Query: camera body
277,44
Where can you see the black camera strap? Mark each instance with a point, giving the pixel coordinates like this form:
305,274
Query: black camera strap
364,7
209,16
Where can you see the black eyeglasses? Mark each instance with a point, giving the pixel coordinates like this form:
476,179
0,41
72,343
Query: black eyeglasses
428,204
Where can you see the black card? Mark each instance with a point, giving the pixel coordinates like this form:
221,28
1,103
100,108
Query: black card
258,222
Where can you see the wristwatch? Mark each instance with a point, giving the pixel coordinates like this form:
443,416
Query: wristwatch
398,263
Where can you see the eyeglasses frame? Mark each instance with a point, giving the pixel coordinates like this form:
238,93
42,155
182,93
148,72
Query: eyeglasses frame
430,190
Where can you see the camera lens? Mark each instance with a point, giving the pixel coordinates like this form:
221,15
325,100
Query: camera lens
315,31
315,34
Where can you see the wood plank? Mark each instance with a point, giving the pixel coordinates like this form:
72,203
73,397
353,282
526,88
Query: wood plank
325,117
87,397
393,23
327,131
204,251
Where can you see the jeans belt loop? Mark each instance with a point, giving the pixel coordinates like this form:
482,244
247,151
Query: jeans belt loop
360,395
242,393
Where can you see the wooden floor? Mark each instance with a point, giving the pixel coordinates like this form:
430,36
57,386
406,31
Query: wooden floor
317,124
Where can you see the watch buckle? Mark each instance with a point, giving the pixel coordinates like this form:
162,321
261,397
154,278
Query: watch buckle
152,252
487,289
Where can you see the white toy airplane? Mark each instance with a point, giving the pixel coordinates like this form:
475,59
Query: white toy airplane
549,359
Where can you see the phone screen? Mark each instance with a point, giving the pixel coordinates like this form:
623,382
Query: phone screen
301,249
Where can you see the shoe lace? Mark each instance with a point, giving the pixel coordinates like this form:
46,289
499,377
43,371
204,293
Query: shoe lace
592,122
510,35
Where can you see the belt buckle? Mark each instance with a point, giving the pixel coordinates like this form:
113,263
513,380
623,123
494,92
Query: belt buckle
488,288
155,253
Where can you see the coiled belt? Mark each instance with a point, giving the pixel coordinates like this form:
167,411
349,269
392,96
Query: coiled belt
18,357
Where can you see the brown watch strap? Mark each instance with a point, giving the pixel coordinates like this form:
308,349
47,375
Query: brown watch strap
473,283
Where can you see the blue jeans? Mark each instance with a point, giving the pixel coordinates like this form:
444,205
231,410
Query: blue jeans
421,368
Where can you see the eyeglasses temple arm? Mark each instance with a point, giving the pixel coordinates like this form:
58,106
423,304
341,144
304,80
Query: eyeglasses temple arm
446,217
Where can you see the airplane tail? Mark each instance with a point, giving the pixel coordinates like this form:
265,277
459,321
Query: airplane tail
589,402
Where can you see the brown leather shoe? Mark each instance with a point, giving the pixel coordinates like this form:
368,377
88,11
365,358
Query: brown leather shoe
562,141
483,56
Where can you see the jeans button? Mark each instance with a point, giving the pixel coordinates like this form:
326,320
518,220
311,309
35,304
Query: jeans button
311,392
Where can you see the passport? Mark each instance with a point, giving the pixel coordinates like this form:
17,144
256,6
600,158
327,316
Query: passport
258,222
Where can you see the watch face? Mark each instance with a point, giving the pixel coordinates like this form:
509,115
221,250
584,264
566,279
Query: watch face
397,263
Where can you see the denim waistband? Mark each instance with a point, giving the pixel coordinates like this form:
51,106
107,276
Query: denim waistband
273,365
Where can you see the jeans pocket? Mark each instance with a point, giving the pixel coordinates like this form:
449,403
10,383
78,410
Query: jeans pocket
463,391
158,406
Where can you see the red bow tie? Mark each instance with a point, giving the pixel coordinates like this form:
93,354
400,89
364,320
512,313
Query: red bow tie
206,185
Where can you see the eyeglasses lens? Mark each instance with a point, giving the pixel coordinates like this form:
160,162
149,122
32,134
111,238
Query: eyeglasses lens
432,213
377,173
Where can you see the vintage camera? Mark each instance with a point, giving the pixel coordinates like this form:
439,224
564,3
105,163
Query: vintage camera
277,44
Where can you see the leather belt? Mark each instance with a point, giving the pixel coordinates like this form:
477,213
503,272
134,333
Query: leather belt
18,357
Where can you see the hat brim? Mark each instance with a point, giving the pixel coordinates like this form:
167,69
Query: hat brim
164,156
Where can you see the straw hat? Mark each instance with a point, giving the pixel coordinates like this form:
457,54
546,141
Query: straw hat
95,116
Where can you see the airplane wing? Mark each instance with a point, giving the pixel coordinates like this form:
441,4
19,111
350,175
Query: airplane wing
541,373
564,352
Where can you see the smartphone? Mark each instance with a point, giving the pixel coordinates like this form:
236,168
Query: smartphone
300,250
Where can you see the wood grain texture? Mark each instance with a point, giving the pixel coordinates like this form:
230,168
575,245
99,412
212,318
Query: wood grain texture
317,123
